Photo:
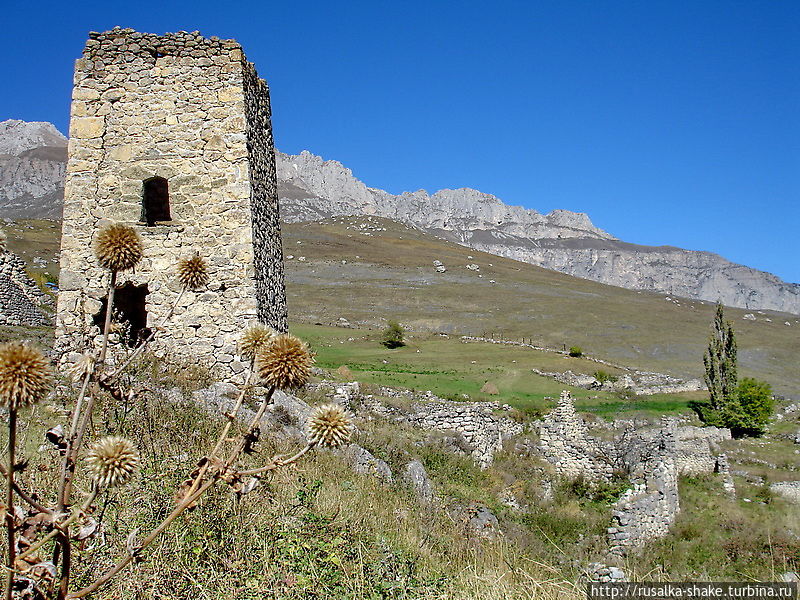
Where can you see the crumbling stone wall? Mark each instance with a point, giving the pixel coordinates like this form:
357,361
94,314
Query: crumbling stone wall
20,299
482,430
566,444
190,110
653,457
648,509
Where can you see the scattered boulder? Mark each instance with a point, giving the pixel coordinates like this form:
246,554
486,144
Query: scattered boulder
417,478
362,461
473,267
345,372
481,522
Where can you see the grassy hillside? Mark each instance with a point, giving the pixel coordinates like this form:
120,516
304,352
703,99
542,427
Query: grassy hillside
453,369
367,270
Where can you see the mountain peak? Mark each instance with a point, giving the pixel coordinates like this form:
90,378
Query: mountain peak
18,136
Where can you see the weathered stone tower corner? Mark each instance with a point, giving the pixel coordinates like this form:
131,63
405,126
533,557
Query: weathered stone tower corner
172,135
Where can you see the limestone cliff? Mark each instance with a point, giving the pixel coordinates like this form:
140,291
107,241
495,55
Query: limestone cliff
32,161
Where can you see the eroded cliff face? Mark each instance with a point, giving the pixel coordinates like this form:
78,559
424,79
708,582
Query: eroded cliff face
312,188
332,190
32,162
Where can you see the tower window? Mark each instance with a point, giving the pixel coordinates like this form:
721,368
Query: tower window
155,201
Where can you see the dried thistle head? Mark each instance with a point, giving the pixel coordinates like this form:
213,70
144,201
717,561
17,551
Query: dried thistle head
112,461
193,272
78,370
25,375
255,339
118,247
285,362
329,425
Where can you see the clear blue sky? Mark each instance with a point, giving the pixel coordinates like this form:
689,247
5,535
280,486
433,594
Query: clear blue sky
667,122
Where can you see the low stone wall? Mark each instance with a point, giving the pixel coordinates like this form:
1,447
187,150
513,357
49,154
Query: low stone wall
482,430
694,449
20,299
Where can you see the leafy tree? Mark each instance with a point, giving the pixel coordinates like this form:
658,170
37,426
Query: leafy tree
392,336
720,362
744,407
575,351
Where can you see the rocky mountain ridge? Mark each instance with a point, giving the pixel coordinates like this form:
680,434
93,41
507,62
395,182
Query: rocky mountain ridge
312,188
33,159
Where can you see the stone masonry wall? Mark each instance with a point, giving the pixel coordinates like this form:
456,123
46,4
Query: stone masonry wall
566,444
20,298
267,247
474,420
648,509
173,106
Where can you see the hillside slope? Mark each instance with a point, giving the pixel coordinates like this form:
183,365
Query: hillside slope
368,269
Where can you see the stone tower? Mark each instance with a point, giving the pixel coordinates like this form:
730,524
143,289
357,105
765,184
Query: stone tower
172,135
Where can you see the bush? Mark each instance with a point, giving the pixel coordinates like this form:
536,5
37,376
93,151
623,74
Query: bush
575,351
392,336
603,377
746,413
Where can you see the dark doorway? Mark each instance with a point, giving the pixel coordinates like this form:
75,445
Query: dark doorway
129,316
155,200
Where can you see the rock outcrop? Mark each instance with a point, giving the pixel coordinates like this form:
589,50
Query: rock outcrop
33,159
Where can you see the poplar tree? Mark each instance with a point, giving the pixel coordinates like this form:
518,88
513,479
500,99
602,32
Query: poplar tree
720,362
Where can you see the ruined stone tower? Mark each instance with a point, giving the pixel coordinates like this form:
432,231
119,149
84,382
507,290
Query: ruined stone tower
172,135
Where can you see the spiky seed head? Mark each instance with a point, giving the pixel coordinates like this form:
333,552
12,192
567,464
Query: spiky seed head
78,370
118,247
255,339
329,425
3,240
285,362
25,375
193,272
112,461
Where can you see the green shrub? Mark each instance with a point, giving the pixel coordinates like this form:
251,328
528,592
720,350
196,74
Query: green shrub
392,336
603,377
575,351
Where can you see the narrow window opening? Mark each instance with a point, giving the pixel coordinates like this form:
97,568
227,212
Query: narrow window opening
129,316
155,201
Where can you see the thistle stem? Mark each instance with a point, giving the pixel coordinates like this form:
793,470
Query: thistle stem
123,562
12,442
112,284
278,462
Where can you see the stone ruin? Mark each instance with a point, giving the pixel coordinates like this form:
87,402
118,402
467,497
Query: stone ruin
653,458
21,300
172,135
483,431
